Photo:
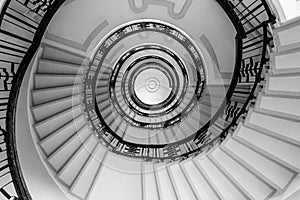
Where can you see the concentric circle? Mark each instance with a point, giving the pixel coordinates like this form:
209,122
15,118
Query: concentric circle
134,85
151,86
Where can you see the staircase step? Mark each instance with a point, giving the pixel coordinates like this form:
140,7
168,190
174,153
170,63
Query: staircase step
272,172
58,158
122,129
188,127
107,112
278,127
165,186
161,138
136,135
150,189
178,132
142,118
123,175
172,136
55,80
283,84
46,66
198,182
49,109
282,151
49,125
281,105
287,36
116,122
111,118
47,95
102,91
182,187
286,61
61,136
63,54
71,170
88,175
223,185
152,137
250,183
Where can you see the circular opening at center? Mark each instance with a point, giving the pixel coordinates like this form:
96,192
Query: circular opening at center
152,86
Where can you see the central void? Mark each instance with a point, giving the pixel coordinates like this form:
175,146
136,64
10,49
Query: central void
152,86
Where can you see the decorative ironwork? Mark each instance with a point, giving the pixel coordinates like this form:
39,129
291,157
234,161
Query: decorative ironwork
251,19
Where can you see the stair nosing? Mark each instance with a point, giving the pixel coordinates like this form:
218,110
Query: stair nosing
251,169
207,179
56,88
98,173
59,130
271,157
71,138
83,168
230,178
48,60
68,162
49,103
272,134
73,154
192,185
78,106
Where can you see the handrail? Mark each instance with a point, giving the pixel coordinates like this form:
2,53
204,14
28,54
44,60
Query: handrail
17,51
259,39
251,19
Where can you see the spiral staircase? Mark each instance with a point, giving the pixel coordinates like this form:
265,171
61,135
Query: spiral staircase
147,108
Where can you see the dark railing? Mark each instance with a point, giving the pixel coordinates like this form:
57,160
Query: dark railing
20,37
22,26
251,19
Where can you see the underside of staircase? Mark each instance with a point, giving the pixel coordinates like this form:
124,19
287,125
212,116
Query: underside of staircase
118,148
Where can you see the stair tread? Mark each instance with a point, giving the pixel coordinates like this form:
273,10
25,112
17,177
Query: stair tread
181,184
270,145
281,128
197,181
47,126
150,190
165,186
249,183
222,184
47,66
59,137
55,80
289,106
88,175
128,176
59,157
44,95
275,174
51,108
73,167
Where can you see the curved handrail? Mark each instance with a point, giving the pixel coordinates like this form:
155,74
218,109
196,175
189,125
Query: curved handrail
251,21
16,52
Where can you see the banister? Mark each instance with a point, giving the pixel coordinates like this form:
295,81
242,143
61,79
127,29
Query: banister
246,39
17,57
